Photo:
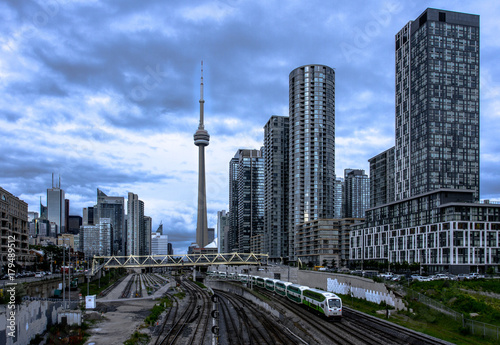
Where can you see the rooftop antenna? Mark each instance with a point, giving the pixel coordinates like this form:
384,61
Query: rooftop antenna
201,98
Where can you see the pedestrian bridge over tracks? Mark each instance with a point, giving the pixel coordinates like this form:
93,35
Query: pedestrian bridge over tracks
176,261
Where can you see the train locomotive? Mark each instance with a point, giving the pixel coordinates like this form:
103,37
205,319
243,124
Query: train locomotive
319,301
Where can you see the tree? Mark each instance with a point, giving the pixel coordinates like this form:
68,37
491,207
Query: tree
334,263
325,262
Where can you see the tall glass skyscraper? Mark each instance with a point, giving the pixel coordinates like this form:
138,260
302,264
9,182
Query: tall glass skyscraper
56,206
312,145
437,104
275,152
246,200
356,193
112,207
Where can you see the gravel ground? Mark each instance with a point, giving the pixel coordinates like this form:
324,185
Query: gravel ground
121,316
117,326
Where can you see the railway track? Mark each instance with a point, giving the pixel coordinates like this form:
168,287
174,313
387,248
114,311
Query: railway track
356,327
128,287
189,323
243,323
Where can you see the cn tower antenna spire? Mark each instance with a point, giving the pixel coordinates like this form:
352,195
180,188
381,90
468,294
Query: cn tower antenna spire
201,139
202,101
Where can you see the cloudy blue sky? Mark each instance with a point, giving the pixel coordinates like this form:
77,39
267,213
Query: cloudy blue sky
105,93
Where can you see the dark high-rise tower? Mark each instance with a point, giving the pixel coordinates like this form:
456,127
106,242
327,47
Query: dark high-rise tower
437,104
201,139
276,210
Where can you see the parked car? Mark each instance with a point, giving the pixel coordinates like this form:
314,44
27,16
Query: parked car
38,275
476,276
397,277
414,277
463,276
387,275
441,276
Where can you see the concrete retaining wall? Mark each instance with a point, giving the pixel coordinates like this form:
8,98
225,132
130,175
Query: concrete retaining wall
31,318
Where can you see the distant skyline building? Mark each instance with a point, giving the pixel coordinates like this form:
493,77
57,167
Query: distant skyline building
112,207
96,239
159,244
74,223
135,225
211,235
201,139
247,199
356,193
312,147
145,247
338,203
88,216
56,206
222,230
276,211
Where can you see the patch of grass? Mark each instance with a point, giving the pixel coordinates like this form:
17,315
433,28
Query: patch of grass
464,297
421,318
180,295
137,338
157,310
200,285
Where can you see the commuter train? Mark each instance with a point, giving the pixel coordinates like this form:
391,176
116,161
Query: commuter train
323,302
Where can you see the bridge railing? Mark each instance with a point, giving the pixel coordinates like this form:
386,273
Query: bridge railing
138,261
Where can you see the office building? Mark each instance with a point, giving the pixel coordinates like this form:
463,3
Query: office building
222,230
74,223
14,229
249,197
312,147
135,225
89,240
56,207
97,239
356,193
111,207
434,219
146,236
88,216
275,152
159,244
211,234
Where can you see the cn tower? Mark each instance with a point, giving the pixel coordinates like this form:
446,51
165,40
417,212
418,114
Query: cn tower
201,139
